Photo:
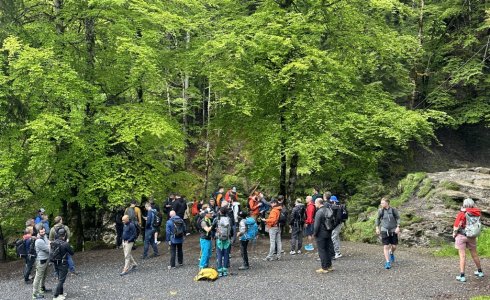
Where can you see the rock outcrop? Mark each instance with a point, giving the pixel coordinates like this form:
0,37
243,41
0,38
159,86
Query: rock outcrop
428,215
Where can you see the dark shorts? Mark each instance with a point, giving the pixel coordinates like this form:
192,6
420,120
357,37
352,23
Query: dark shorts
309,229
390,238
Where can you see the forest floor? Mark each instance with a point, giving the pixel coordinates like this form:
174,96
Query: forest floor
359,274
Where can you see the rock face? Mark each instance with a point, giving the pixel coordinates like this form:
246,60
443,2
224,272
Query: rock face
428,215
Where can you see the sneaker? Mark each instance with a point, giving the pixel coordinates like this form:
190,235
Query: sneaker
338,255
330,269
309,247
157,242
461,278
171,268
59,297
387,265
243,268
179,265
220,274
322,271
37,296
124,273
392,257
28,281
144,257
292,252
45,290
479,274
133,267
268,258
298,252
187,234
155,255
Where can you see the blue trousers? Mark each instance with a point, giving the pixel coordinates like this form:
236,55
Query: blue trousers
223,257
149,240
206,248
71,264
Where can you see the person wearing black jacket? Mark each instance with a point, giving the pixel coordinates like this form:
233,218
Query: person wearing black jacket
128,237
119,226
61,266
323,236
179,206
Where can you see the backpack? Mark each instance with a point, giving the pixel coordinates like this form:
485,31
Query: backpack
199,219
337,214
132,215
206,274
329,219
55,254
157,219
283,217
20,248
178,228
298,216
345,213
223,231
251,229
473,226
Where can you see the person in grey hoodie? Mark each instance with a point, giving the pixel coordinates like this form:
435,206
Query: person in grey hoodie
42,250
388,225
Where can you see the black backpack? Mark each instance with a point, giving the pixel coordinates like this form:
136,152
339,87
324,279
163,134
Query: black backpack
20,248
178,228
329,218
199,219
298,216
337,214
283,217
55,254
157,219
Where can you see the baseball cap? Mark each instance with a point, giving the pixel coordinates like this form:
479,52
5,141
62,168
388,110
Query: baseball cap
334,199
41,210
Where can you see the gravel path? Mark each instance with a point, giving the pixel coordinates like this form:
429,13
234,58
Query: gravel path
358,275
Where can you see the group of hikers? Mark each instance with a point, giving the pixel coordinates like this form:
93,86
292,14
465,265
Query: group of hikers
222,222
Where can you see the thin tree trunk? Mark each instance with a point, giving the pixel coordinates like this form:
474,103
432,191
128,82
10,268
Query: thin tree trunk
415,79
206,177
3,246
283,176
57,5
76,224
293,177
168,99
185,87
90,42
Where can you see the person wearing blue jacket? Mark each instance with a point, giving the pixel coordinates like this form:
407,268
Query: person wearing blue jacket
247,232
175,232
128,237
149,233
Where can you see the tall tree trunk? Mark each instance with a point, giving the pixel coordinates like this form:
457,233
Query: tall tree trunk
208,146
168,98
418,81
293,177
185,87
3,246
283,176
76,224
90,42
57,5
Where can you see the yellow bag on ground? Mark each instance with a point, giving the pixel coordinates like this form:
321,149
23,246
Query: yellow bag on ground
207,274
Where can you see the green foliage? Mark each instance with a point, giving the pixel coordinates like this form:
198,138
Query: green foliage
407,188
448,185
425,187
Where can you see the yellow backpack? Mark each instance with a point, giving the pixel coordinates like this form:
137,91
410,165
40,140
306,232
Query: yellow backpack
207,274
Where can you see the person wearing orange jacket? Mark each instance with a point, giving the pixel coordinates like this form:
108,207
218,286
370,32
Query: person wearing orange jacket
253,205
274,231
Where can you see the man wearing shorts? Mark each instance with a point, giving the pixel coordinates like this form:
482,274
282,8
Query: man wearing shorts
310,219
388,225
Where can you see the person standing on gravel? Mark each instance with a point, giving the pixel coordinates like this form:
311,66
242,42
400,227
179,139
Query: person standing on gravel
297,223
61,265
465,237
58,220
129,235
310,219
323,235
42,250
274,231
205,239
388,225
175,230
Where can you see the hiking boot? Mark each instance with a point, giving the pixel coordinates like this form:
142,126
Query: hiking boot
479,274
392,257
387,265
243,268
292,252
461,278
322,271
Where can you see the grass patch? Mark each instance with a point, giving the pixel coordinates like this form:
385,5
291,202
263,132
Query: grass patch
480,298
361,232
407,187
425,187
449,185
409,219
483,246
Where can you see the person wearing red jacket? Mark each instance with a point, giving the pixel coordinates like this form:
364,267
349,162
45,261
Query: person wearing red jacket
310,219
462,242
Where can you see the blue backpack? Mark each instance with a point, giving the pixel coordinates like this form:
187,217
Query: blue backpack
252,229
